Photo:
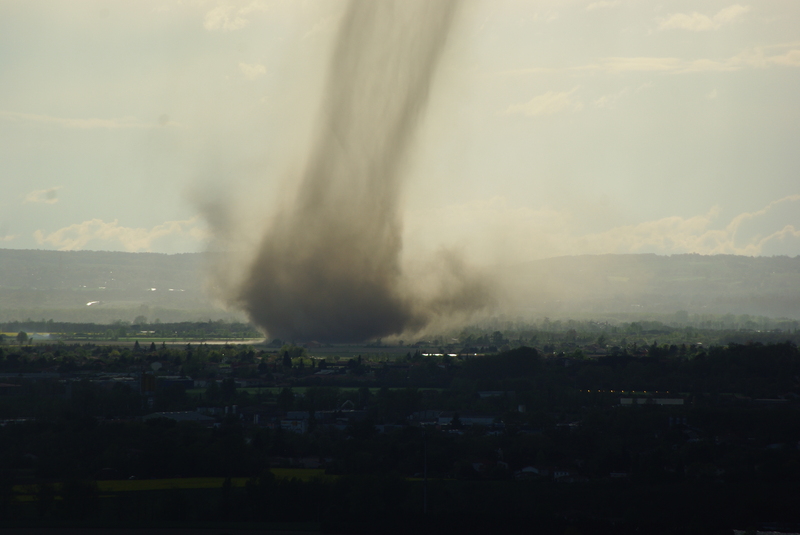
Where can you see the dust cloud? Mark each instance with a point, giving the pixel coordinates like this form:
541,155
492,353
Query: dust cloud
329,264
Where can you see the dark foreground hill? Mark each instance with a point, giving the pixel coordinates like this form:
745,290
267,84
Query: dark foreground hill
60,284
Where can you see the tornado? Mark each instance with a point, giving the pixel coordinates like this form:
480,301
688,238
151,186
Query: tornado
328,267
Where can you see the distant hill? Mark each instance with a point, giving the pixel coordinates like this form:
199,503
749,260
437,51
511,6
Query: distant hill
58,285
652,284
71,270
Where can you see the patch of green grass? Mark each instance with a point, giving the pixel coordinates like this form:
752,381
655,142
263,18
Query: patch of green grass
275,390
28,492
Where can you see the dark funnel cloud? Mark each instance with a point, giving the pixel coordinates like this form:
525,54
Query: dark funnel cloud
328,267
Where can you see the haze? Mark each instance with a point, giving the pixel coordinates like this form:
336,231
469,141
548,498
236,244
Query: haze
549,128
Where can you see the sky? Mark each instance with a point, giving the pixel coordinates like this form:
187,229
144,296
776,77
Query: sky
552,127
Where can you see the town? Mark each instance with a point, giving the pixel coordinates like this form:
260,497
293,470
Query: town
568,429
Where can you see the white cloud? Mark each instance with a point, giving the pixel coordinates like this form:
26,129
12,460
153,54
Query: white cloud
693,235
602,4
610,100
785,54
252,71
666,65
750,58
125,122
730,13
790,58
546,104
77,236
787,232
697,22
325,25
737,221
224,18
617,64
669,234
227,17
494,228
45,196
252,7
7,237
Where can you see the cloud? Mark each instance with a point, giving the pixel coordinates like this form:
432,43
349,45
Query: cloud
77,236
227,17
609,101
737,222
665,235
45,196
7,237
695,234
325,25
752,58
125,122
252,71
790,58
787,232
697,22
546,104
669,65
495,228
639,64
602,4
224,18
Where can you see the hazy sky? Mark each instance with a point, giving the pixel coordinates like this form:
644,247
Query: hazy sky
553,127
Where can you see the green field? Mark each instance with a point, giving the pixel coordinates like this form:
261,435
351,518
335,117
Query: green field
275,390
29,492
